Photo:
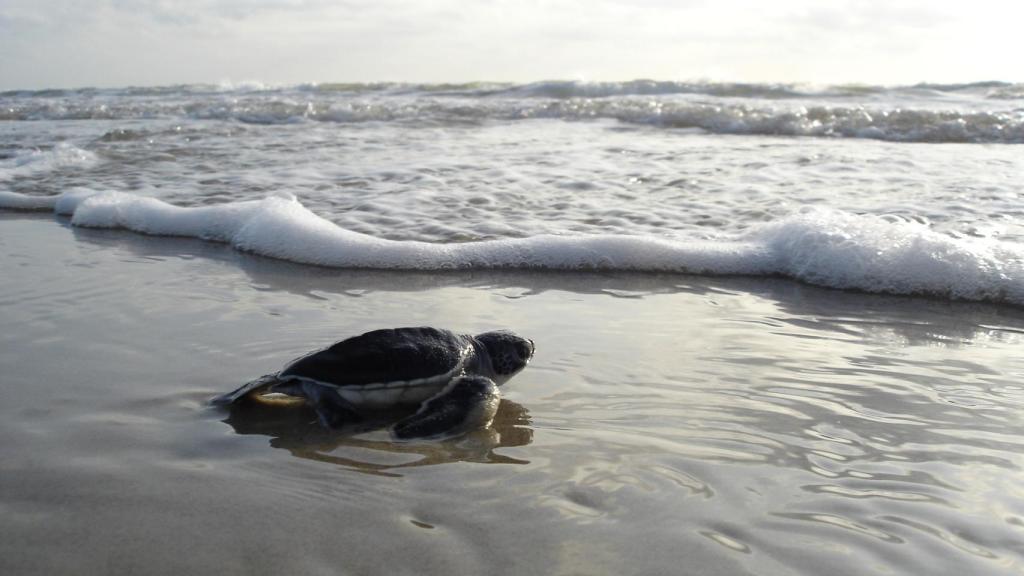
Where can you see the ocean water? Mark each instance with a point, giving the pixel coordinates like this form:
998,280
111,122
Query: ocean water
901,190
778,327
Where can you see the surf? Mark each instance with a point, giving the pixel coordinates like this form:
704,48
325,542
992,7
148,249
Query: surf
823,247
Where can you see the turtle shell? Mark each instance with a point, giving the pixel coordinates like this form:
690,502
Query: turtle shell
384,356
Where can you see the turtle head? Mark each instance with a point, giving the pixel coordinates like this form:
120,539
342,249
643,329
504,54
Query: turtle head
509,353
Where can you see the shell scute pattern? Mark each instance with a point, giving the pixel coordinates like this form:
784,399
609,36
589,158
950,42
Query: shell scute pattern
385,367
383,358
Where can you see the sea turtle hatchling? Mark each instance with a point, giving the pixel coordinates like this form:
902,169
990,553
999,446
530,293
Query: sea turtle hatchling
454,378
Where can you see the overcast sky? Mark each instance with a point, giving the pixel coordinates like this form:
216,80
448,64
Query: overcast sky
73,43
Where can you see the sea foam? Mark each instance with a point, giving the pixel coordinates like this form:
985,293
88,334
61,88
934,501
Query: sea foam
29,162
818,246
970,113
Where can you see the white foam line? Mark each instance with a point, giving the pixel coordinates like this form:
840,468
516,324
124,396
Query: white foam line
822,247
15,201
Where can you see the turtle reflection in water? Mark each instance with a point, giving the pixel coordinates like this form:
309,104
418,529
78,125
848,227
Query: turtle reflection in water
292,426
452,378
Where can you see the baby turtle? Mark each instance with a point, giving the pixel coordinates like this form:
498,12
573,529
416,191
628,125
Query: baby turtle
454,378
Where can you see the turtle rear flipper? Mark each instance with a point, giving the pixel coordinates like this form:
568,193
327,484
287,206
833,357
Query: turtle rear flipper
467,402
245,390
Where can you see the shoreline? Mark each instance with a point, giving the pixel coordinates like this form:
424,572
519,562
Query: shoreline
947,273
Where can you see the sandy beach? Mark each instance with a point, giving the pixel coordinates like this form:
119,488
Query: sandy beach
667,425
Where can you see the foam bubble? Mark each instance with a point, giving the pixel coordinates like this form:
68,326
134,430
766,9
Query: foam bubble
823,247
877,254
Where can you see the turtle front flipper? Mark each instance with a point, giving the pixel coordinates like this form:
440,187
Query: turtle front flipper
466,402
332,410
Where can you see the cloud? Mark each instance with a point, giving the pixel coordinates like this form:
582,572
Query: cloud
191,12
870,18
115,42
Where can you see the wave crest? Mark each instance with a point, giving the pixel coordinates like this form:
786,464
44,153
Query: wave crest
981,112
29,162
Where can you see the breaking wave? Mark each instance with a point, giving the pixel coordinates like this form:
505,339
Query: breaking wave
823,247
557,89
984,112
29,162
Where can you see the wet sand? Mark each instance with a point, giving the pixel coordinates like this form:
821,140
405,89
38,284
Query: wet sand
668,424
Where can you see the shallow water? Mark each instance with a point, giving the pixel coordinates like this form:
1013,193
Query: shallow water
456,183
668,424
